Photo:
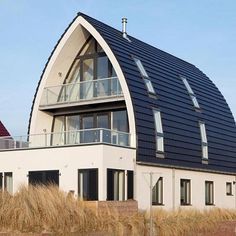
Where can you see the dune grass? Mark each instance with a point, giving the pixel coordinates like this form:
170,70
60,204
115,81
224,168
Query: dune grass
47,209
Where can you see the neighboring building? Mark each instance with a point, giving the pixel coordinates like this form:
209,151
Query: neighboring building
3,131
113,114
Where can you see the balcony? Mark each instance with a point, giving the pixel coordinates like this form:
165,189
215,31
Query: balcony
75,137
81,93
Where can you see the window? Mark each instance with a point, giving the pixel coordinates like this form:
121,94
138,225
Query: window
191,93
149,86
204,140
8,182
185,192
229,189
46,177
140,67
209,193
90,76
147,81
157,192
85,128
130,184
1,177
115,184
159,131
88,184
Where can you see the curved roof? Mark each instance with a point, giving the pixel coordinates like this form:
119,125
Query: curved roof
179,118
3,130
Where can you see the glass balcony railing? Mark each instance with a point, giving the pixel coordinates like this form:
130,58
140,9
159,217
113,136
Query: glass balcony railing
74,137
82,91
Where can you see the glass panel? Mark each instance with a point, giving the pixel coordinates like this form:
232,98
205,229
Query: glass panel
102,67
189,89
8,182
87,122
99,48
228,188
209,193
73,125
74,75
203,132
120,121
205,151
157,192
1,181
103,86
88,184
149,86
86,91
130,184
140,67
195,102
58,131
89,136
103,122
158,123
90,47
160,143
184,191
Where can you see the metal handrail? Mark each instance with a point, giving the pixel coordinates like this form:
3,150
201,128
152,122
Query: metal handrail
81,91
65,138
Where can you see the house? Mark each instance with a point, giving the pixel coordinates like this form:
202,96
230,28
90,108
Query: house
114,118
3,130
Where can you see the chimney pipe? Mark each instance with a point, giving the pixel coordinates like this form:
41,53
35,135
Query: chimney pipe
124,22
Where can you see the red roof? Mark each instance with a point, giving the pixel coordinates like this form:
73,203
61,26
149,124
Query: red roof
3,130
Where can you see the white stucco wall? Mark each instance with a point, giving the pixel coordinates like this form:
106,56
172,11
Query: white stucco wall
67,160
171,187
60,62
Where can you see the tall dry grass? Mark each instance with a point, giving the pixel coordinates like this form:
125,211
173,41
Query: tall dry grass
47,209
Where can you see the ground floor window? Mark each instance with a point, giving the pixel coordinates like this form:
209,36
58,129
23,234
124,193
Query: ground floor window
88,184
46,177
157,192
130,184
1,179
209,192
185,192
229,189
8,182
115,184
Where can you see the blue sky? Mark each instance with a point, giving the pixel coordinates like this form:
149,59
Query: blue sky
202,32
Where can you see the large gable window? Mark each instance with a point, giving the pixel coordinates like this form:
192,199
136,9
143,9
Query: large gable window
191,93
147,81
91,76
204,140
159,131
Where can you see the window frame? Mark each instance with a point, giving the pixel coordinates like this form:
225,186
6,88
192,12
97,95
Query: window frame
209,200
8,186
157,190
230,193
204,142
144,74
186,184
140,66
191,93
159,134
90,196
115,184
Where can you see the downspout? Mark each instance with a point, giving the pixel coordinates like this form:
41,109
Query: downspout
173,189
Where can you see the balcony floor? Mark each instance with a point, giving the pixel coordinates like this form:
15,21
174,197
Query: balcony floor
81,103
